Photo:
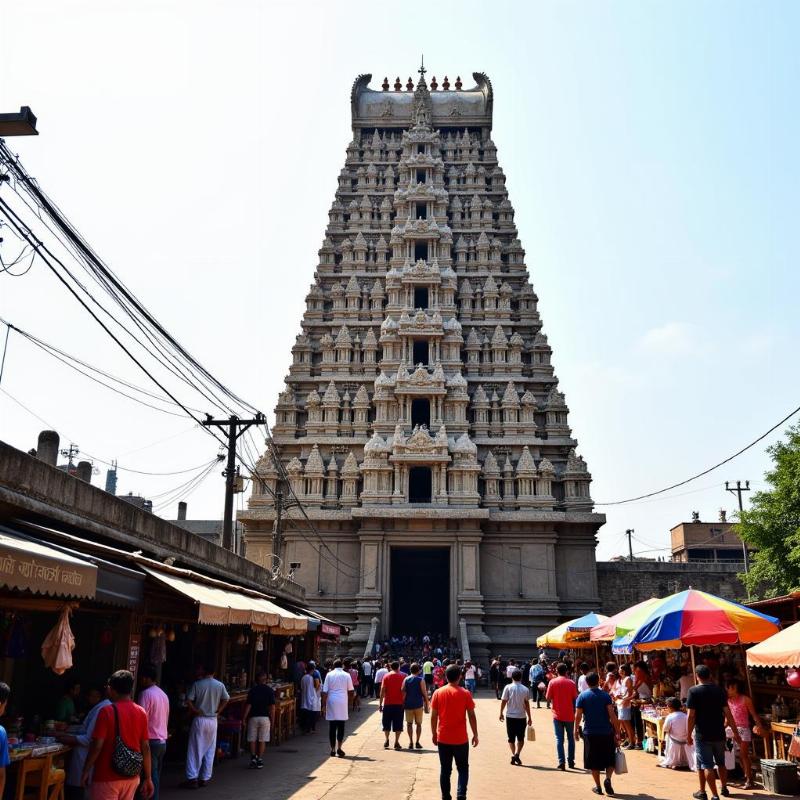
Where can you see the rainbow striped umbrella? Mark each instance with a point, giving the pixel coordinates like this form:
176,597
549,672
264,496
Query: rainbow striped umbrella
625,621
694,618
560,637
585,623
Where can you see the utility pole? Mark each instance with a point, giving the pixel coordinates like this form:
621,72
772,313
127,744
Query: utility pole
233,428
737,490
281,505
629,532
277,531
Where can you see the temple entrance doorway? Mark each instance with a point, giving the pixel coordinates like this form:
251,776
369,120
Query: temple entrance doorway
420,590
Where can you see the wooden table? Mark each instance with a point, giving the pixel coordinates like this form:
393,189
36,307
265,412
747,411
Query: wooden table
285,720
54,750
779,731
656,722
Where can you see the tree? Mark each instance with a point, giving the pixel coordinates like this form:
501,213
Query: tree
772,524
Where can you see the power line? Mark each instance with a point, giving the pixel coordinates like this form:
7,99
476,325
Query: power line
67,359
705,471
113,284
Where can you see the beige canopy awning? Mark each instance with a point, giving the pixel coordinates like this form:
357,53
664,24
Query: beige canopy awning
227,606
30,565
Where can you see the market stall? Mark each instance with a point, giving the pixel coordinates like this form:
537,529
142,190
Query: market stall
775,665
228,628
684,622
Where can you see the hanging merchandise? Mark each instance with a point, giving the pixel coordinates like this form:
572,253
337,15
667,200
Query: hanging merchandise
158,649
284,661
59,643
260,643
288,648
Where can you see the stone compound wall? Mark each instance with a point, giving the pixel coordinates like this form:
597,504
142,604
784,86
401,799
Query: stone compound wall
622,584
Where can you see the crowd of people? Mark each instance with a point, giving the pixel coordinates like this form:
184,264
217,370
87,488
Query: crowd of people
121,748
600,708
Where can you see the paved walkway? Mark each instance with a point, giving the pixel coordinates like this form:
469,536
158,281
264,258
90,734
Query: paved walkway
301,769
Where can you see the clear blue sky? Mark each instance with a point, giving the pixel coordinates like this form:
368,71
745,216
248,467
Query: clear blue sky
651,155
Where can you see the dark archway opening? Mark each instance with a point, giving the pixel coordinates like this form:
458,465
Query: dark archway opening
420,484
421,297
420,251
420,351
421,412
420,591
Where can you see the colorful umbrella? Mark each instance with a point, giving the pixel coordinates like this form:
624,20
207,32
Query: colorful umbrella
561,638
780,650
585,623
697,618
623,622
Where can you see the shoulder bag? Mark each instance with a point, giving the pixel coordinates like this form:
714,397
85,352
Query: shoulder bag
125,761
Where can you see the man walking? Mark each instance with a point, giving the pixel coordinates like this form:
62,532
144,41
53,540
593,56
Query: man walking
336,694
366,684
561,694
205,700
708,713
600,737
156,704
539,681
259,718
470,677
391,704
309,700
451,706
584,671
123,720
516,698
380,673
415,703
427,673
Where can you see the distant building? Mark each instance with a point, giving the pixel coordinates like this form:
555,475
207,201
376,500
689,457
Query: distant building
209,529
706,541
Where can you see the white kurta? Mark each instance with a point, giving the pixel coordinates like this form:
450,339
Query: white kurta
337,684
677,751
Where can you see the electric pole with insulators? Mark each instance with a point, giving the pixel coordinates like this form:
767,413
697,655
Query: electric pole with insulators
737,490
233,428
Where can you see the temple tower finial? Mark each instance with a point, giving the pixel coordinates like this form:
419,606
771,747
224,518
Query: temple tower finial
422,69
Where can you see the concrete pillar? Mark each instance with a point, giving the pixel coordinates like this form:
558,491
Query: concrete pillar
182,509
47,447
84,472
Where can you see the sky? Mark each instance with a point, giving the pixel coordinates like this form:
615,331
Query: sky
650,154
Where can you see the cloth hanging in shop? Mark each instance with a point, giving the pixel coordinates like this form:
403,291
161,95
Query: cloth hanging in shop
58,645
158,649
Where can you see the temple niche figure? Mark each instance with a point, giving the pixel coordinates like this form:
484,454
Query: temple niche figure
422,427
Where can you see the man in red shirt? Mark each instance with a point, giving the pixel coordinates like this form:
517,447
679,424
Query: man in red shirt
124,718
561,692
391,704
451,706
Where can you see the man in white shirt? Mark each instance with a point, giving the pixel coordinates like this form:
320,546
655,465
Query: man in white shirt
583,686
337,692
380,674
366,684
517,707
512,665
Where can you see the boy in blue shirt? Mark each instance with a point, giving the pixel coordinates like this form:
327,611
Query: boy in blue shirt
5,759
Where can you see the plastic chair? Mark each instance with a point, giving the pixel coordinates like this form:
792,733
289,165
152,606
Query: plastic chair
38,780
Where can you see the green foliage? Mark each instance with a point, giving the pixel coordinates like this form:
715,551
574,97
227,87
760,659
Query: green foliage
772,524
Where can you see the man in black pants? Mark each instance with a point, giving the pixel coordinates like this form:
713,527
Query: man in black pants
451,706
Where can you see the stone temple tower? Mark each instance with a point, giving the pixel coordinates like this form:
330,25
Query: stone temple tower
421,426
